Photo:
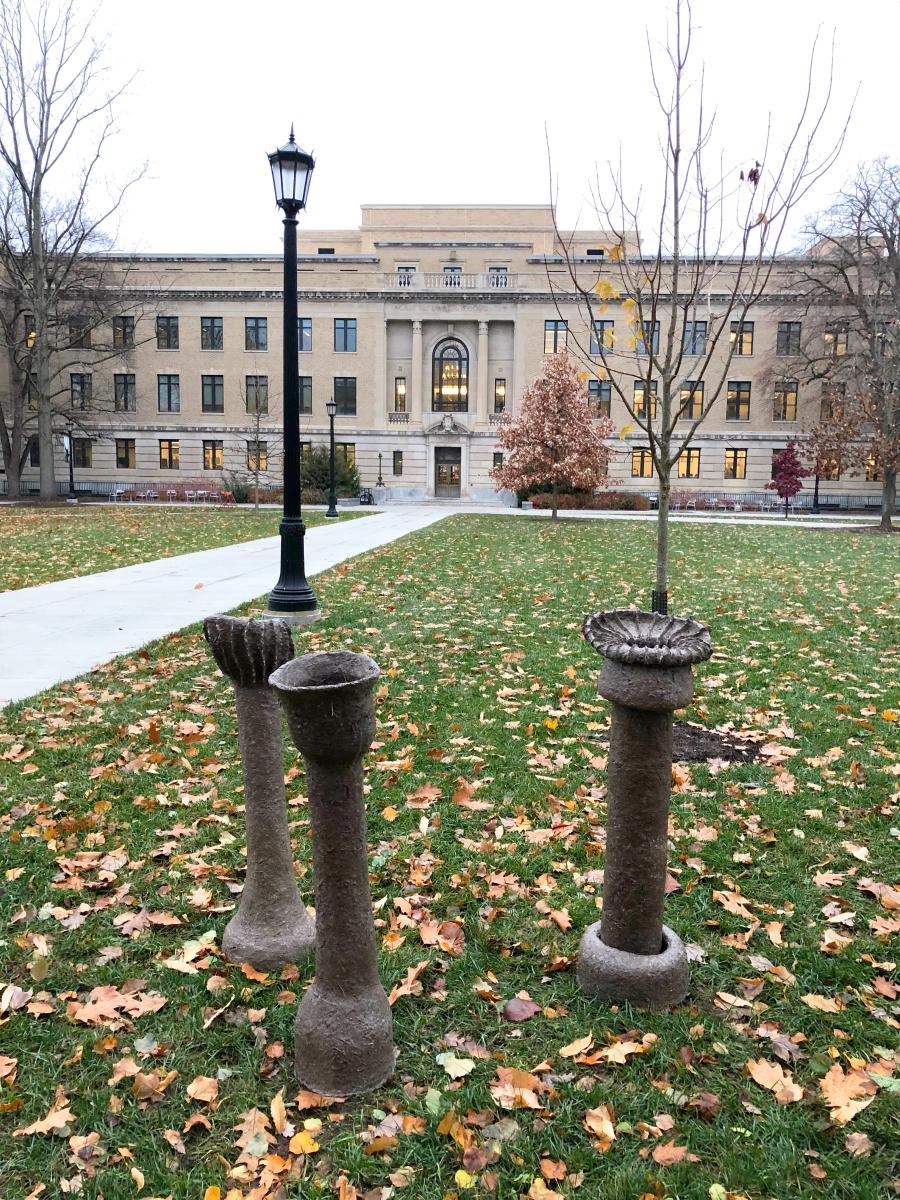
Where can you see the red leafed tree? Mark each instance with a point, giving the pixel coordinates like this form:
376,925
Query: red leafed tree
789,472
554,439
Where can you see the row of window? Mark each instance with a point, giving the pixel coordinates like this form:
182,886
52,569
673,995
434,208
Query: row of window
787,343
212,334
691,399
212,393
213,454
734,466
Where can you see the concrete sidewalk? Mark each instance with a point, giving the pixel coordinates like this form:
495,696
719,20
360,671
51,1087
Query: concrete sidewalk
61,630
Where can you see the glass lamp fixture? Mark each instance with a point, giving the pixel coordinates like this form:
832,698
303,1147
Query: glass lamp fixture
331,406
292,170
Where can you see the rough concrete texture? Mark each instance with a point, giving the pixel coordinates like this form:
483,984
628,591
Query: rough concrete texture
653,981
271,926
629,954
343,1034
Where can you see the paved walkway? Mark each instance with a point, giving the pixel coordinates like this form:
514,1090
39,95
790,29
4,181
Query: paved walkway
61,630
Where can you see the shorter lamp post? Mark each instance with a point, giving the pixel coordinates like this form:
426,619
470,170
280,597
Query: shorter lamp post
331,409
380,481
70,432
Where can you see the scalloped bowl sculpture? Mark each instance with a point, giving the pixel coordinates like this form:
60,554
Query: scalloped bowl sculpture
630,955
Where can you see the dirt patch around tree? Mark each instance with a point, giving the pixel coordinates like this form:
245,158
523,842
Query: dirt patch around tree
696,743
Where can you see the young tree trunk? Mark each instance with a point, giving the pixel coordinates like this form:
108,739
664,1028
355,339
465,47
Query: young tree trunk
787,501
815,503
888,499
662,542
555,500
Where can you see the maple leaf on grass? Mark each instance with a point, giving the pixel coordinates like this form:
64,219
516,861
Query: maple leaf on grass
775,1079
56,1121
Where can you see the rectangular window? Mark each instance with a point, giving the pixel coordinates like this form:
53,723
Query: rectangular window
123,333
882,338
639,401
788,338
256,333
347,451
306,395
735,464
774,470
125,393
213,456
784,407
833,397
690,400
31,389
599,397
345,335
398,462
737,400
168,454
345,395
167,333
304,334
400,394
79,333
257,456
211,335
836,339
405,276
256,390
693,338
34,451
499,395
498,458
873,471
497,277
452,277
82,452
641,464
829,470
689,464
125,459
556,335
213,393
80,389
168,393
649,335
602,334
29,331
742,337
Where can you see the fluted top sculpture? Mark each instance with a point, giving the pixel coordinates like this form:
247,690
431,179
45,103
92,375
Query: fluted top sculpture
248,651
648,639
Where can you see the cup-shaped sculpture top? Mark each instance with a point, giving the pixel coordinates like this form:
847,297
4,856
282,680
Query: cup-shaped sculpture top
248,651
648,639
327,699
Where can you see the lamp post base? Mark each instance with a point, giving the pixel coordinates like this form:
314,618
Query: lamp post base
307,617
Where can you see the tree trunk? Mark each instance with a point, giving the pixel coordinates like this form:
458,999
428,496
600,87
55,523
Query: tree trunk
555,500
787,501
888,499
660,597
815,503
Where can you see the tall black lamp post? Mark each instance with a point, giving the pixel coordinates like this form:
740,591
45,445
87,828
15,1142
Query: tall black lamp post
331,409
70,434
292,598
379,482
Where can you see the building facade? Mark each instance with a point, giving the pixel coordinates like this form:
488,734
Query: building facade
424,324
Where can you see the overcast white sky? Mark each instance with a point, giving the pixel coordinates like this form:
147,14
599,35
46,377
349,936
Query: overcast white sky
411,101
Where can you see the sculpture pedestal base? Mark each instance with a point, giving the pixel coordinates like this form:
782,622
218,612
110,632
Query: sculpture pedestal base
343,1044
287,937
644,980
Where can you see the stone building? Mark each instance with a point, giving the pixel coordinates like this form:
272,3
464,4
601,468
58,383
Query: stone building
425,324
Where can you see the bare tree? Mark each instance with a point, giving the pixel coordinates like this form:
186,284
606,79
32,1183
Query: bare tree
852,285
56,117
686,295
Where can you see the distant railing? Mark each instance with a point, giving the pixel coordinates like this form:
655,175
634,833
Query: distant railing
459,281
496,418
398,418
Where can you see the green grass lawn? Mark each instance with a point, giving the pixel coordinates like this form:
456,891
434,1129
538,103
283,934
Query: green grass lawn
40,545
120,812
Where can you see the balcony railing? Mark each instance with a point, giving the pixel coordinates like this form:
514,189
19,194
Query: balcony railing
398,418
496,417
437,281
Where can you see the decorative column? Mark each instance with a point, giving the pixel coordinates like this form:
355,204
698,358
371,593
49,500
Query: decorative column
271,926
415,383
482,374
518,379
630,954
343,1031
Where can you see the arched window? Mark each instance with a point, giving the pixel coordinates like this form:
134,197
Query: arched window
450,377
